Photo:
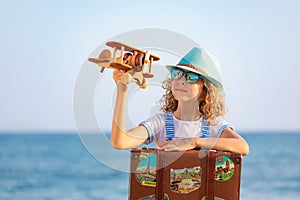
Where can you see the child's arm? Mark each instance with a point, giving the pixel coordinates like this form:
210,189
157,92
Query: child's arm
120,138
229,141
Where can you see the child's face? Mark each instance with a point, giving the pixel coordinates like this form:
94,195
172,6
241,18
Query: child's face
184,91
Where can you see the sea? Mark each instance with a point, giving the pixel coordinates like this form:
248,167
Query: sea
37,166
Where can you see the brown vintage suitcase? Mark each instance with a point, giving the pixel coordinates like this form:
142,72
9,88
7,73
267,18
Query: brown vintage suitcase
189,175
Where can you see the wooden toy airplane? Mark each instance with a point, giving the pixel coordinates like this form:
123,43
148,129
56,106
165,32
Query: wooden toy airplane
132,60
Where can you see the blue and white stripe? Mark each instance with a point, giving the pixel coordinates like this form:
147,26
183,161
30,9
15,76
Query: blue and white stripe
205,129
170,131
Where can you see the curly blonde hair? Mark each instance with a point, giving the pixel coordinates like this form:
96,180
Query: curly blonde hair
211,102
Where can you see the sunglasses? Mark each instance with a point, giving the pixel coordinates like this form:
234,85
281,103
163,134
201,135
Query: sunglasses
190,77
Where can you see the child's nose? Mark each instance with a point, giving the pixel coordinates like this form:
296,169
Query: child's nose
182,80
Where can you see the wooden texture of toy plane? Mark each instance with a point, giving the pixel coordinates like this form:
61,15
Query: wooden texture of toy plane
131,60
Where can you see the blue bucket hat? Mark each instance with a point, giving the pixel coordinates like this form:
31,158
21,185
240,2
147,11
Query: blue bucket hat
201,62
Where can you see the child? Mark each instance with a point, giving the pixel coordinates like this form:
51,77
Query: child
193,108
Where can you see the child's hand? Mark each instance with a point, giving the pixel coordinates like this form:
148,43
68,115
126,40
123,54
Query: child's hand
179,144
118,76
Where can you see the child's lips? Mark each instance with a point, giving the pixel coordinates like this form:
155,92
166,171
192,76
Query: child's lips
180,90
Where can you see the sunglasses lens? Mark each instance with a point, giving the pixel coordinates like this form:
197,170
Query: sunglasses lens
176,74
192,78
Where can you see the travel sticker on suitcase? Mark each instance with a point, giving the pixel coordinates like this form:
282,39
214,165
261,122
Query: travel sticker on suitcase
146,170
185,180
224,168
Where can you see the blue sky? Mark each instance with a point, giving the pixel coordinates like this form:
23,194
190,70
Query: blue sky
45,43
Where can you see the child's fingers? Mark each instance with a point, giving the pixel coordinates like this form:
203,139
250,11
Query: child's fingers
117,75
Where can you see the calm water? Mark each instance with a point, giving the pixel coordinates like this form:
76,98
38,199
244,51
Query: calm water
57,166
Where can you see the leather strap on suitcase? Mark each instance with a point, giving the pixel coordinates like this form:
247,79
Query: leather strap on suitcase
160,179
210,181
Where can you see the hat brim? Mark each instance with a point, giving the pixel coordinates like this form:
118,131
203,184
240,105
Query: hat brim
215,82
169,67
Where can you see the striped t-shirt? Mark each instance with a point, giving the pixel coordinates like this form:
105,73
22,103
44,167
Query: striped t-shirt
156,128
